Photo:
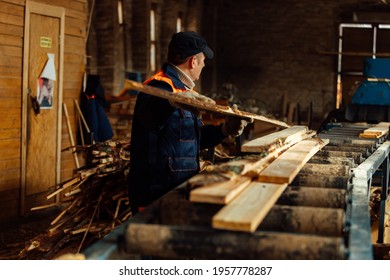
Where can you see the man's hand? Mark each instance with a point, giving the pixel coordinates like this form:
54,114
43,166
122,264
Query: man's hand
234,126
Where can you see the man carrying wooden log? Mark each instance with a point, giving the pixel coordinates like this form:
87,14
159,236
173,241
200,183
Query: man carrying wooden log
167,136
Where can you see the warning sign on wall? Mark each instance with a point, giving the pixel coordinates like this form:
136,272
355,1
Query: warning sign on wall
45,42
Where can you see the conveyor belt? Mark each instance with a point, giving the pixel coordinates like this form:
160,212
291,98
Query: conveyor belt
323,214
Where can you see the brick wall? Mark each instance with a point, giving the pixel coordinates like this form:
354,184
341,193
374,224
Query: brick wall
108,40
268,49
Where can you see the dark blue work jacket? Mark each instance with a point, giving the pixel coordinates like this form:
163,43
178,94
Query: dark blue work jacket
165,143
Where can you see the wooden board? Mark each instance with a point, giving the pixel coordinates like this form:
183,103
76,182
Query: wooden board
220,193
248,210
271,156
286,166
376,131
274,140
223,178
225,110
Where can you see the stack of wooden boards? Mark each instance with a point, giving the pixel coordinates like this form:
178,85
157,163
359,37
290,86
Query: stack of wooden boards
249,186
376,131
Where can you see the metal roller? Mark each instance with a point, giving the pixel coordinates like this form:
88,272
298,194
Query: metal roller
325,169
315,197
332,160
312,180
357,156
337,141
172,242
302,219
365,152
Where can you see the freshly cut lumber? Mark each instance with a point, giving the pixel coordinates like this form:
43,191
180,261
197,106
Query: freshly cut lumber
222,177
287,165
207,106
271,156
220,193
376,131
248,165
207,178
274,140
222,182
239,166
247,211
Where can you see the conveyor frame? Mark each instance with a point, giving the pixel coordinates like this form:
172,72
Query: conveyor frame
360,244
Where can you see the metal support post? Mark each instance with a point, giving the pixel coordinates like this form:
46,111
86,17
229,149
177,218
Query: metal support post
382,211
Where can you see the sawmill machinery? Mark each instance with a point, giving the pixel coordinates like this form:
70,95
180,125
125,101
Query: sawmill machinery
370,98
324,213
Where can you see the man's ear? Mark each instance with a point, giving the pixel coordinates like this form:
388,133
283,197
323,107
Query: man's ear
192,62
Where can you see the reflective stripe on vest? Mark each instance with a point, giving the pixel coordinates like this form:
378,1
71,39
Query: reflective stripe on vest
160,76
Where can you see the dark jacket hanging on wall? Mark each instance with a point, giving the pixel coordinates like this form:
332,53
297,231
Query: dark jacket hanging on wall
92,104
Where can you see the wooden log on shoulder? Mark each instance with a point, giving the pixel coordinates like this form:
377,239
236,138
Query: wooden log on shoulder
173,242
200,103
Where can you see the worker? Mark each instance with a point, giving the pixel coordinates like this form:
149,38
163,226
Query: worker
166,137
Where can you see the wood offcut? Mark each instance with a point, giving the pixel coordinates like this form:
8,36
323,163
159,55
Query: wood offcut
226,110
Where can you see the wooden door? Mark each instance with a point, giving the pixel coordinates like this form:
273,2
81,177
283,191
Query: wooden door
41,136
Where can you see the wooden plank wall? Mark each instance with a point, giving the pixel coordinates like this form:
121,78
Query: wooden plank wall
11,60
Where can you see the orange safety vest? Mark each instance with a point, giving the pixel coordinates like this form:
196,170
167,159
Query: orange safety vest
160,76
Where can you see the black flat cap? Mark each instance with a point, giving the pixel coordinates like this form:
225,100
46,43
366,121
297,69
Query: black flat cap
186,44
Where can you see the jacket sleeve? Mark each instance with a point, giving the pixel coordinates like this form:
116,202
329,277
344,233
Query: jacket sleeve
211,136
154,111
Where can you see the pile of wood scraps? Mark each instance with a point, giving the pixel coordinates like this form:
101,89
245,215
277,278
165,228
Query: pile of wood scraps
93,202
249,186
